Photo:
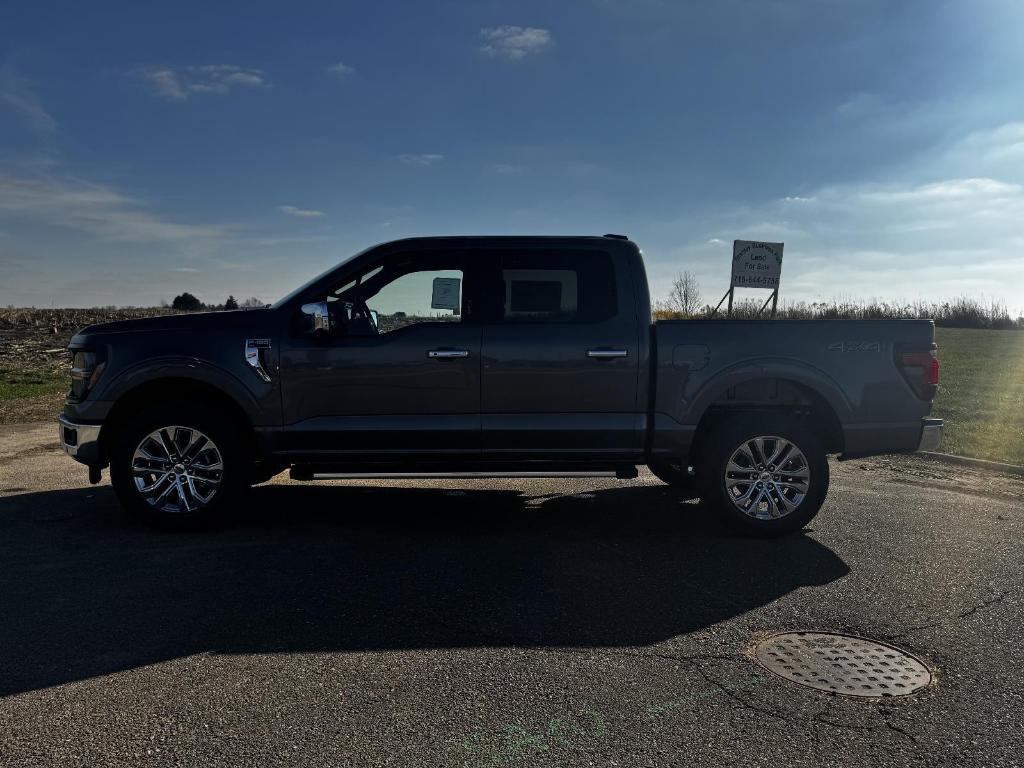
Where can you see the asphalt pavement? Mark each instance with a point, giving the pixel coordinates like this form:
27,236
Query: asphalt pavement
499,623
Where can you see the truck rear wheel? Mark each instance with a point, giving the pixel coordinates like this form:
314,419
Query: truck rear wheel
177,465
767,475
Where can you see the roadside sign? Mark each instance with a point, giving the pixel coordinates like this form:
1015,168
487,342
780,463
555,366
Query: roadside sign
756,264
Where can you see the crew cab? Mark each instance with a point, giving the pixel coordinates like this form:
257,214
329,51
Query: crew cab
492,356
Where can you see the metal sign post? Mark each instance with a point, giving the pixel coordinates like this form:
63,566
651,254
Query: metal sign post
755,265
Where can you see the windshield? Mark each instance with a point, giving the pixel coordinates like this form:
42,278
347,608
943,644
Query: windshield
309,283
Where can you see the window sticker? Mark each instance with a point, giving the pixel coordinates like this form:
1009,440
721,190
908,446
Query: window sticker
446,293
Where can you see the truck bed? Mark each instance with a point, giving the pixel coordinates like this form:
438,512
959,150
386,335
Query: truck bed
848,369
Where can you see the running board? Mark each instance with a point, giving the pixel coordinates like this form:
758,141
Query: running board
439,475
302,473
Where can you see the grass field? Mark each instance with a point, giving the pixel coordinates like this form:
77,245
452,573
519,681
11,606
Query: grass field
15,385
32,395
981,393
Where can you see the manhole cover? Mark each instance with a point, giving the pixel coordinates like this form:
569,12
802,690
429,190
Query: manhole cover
851,666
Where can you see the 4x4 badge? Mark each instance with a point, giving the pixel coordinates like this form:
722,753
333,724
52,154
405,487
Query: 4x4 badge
854,346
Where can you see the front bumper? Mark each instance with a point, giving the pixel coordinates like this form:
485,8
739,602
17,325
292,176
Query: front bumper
80,441
931,435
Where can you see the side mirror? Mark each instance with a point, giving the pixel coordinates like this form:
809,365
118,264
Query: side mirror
316,319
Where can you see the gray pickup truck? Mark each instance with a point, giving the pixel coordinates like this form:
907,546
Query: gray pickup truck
492,356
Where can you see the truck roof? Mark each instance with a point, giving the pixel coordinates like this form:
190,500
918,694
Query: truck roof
504,240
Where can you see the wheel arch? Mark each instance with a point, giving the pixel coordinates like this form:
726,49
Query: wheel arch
808,399
181,388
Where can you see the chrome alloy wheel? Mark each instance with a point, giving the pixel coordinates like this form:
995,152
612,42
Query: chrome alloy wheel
177,469
767,477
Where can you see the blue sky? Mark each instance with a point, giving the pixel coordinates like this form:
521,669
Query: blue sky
228,147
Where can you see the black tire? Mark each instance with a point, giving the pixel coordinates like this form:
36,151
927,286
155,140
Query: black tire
675,475
233,475
727,437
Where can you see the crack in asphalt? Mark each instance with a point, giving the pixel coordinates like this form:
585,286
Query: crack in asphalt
734,696
821,719
694,661
960,615
910,736
984,604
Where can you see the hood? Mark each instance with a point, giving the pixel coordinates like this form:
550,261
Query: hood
195,321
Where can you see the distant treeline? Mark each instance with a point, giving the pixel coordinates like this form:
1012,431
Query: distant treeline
186,302
961,312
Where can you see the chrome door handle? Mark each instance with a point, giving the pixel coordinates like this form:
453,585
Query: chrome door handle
447,354
606,354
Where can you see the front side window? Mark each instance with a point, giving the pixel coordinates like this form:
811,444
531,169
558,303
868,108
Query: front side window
427,296
404,291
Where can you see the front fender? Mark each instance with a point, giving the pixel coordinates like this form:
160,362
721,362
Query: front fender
194,369
256,399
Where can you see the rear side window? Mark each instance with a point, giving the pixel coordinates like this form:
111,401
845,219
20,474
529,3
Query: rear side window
545,287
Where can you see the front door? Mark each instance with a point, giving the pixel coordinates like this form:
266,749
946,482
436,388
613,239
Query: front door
401,373
560,359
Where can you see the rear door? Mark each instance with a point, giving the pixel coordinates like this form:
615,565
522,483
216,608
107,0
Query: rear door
560,357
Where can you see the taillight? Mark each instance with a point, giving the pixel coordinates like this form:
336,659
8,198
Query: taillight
921,370
926,360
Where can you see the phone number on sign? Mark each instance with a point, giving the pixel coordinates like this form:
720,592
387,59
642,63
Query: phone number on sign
756,281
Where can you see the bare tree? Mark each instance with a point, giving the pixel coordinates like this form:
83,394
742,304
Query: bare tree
684,296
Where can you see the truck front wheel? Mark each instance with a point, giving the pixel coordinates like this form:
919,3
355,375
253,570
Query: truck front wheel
177,465
767,475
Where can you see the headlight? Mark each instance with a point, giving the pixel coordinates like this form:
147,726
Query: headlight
86,370
83,360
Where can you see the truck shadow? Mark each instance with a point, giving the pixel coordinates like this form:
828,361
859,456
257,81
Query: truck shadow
87,592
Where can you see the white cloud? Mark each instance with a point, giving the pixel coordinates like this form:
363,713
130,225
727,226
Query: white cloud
291,210
947,224
922,121
340,70
949,190
514,43
17,97
93,208
861,105
934,240
422,160
165,83
994,149
187,270
180,84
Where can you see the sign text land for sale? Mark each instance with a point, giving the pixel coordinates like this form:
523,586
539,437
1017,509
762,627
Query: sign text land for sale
756,265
